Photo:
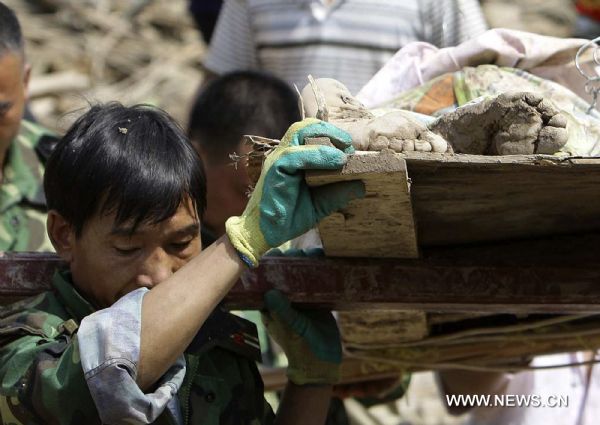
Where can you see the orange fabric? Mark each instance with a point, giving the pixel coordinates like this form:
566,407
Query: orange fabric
439,96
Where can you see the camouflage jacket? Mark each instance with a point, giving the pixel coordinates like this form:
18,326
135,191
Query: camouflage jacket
22,201
42,380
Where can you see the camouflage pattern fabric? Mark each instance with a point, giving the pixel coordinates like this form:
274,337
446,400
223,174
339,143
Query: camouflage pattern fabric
42,381
222,383
22,201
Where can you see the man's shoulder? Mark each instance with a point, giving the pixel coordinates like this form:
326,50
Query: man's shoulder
36,137
42,315
30,133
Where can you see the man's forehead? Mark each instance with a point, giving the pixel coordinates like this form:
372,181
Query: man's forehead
179,229
184,221
11,72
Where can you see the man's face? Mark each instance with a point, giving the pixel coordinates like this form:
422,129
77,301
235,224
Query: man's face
13,90
227,188
109,261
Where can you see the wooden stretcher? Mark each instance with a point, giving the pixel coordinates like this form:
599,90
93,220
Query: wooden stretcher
483,235
421,200
486,229
558,275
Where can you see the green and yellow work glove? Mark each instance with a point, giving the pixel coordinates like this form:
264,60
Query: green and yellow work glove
310,339
282,206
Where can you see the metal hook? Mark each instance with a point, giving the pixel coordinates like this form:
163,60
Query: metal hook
592,85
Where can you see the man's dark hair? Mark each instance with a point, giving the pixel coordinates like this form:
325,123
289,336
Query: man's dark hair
133,161
239,103
11,38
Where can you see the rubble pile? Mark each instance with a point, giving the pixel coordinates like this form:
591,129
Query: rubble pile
84,51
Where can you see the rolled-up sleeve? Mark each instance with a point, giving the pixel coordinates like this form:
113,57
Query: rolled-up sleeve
109,344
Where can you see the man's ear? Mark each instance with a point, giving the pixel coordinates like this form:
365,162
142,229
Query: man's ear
26,77
62,235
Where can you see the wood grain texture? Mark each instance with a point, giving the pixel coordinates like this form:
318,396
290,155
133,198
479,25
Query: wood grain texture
471,198
379,225
460,199
559,277
363,327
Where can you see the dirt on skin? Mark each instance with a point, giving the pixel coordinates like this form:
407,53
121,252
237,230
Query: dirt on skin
508,124
395,130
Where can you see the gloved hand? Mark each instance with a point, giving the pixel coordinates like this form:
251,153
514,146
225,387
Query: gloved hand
310,339
282,206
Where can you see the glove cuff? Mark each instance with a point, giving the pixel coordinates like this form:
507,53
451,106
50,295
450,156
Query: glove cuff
239,237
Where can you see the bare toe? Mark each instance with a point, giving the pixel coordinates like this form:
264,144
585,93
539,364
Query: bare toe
379,143
408,146
547,109
532,99
422,146
397,145
551,139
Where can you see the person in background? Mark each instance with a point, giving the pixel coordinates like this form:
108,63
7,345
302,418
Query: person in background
588,19
24,148
231,106
348,40
205,14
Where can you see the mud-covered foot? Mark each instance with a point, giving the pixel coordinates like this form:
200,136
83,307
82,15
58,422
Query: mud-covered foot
396,130
511,123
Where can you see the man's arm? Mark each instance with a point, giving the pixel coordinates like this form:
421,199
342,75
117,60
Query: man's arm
452,22
182,303
312,344
304,404
281,208
232,47
131,352
41,378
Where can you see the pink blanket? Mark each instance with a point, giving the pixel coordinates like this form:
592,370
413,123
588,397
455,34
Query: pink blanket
547,57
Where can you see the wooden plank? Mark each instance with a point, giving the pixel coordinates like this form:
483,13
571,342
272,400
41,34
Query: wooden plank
353,371
427,285
26,274
550,280
470,198
459,199
381,224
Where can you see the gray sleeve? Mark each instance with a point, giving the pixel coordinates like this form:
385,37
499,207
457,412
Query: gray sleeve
451,22
109,345
232,46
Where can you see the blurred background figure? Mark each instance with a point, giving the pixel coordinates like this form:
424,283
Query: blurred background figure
205,13
347,40
239,103
24,148
546,17
588,19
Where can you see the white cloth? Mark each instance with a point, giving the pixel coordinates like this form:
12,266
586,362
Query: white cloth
570,383
547,57
348,40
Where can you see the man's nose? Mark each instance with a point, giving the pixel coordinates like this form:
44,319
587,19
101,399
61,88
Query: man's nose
156,268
